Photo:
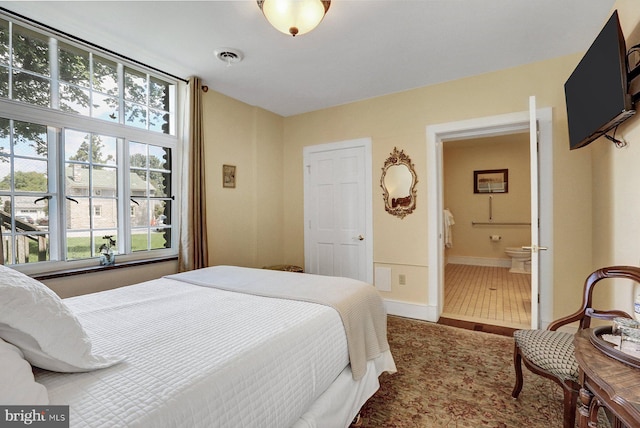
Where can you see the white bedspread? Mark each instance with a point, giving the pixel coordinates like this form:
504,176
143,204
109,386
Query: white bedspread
362,311
185,346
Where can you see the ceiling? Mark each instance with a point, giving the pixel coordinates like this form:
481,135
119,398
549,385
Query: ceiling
362,49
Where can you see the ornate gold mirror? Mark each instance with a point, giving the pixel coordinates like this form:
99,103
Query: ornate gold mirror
398,183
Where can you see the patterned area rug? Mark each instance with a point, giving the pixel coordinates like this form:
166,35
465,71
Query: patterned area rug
450,377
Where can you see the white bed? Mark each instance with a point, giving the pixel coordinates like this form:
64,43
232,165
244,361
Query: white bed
199,356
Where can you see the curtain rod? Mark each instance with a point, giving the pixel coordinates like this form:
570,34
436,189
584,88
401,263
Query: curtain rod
93,45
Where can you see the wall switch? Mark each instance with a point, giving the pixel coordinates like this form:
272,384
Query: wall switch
402,279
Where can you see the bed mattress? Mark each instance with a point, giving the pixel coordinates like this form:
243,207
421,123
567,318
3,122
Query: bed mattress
200,357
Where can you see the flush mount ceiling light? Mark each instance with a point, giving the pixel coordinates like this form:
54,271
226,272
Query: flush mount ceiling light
294,16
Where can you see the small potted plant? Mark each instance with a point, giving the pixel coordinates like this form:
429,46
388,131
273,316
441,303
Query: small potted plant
107,258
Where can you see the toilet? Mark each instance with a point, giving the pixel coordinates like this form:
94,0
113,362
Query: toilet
520,259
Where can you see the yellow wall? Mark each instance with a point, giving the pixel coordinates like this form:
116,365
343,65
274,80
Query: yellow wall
401,120
616,186
460,160
245,223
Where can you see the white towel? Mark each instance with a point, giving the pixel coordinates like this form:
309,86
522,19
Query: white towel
448,222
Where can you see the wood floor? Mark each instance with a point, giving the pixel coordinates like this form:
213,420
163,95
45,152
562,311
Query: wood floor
486,294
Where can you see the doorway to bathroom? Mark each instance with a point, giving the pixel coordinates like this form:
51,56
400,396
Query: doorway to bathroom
538,123
486,191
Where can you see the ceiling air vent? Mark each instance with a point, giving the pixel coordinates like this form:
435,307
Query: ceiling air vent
228,56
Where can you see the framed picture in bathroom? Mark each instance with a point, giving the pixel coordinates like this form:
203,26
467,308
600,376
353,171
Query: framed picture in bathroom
491,181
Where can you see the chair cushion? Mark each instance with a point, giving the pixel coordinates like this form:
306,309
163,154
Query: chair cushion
550,350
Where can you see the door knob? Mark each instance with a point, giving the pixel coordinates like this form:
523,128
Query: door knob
360,238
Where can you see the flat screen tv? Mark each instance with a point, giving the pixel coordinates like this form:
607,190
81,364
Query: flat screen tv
597,92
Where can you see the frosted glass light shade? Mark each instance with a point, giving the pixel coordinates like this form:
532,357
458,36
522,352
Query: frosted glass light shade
294,16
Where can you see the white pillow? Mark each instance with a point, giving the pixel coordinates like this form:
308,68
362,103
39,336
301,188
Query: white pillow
17,386
36,320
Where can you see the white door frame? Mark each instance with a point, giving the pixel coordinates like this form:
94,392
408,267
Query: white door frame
485,127
368,162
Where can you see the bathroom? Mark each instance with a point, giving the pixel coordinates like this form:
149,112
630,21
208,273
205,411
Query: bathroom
486,187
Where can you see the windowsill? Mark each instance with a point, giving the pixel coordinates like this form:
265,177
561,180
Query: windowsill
93,269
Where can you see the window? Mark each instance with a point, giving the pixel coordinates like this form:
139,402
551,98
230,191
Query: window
85,139
150,190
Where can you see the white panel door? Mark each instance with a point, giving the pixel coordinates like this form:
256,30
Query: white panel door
535,235
336,212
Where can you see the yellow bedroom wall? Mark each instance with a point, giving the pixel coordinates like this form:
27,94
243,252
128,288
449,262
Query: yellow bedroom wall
245,223
401,120
616,188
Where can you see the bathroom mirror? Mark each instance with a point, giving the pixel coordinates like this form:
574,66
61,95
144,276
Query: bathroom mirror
398,183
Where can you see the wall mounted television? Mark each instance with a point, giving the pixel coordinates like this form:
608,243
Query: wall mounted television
597,92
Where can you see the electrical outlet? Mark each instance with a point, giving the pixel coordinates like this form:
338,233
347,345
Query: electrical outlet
402,279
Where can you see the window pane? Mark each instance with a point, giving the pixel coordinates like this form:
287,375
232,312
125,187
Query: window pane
5,144
108,147
30,51
78,214
160,239
5,174
6,202
138,183
159,121
105,213
74,65
4,82
79,245
138,155
162,213
140,213
76,146
160,184
105,76
135,86
135,115
29,139
25,240
31,89
105,107
104,181
160,158
140,239
159,94
101,150
31,248
4,42
74,99
30,175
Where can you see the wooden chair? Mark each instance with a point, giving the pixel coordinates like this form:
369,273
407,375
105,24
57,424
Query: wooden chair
550,353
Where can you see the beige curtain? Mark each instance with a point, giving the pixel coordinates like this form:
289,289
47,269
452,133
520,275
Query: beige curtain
193,252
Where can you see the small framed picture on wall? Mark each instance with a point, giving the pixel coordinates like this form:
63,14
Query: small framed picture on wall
491,181
229,176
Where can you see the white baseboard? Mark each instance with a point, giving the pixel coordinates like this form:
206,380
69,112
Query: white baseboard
411,310
479,261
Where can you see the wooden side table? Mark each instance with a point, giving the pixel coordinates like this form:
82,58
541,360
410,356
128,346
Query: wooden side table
606,382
